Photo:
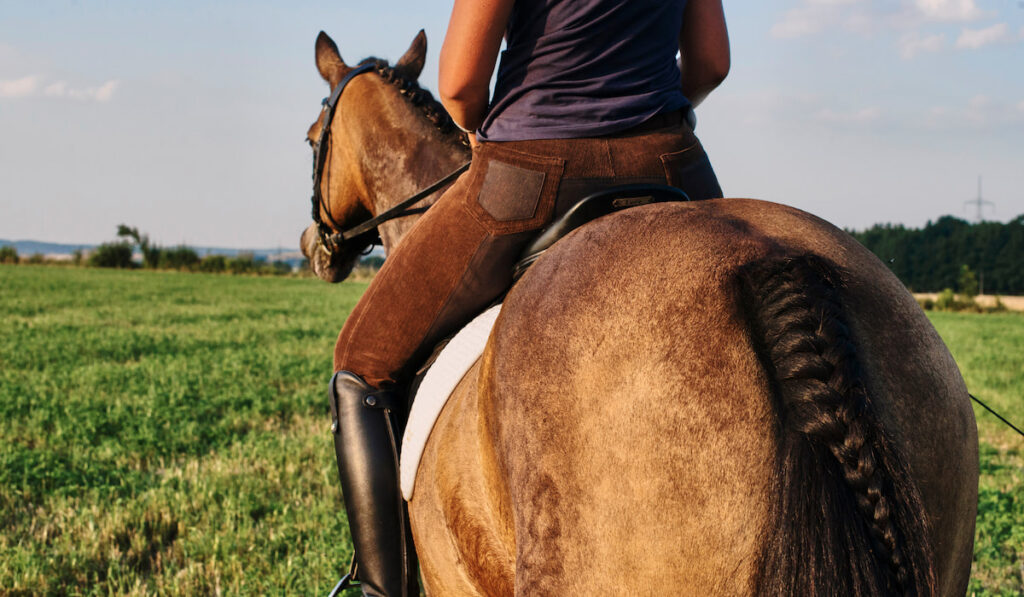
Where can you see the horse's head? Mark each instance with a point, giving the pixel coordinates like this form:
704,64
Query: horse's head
352,141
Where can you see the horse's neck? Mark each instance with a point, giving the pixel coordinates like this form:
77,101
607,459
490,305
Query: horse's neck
403,167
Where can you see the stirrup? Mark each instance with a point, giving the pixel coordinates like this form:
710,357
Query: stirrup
348,581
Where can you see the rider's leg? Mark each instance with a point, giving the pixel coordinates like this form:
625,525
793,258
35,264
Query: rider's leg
366,423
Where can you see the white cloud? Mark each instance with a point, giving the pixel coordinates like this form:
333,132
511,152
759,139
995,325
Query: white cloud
972,39
948,10
58,89
913,43
106,91
32,86
22,87
103,93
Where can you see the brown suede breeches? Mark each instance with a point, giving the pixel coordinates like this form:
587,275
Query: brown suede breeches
458,257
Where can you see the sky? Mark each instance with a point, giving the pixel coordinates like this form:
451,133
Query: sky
188,119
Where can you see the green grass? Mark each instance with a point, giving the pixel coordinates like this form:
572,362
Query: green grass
165,433
990,352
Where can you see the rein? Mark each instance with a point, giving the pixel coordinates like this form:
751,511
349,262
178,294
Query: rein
329,240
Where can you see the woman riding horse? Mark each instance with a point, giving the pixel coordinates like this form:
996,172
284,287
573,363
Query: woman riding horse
588,95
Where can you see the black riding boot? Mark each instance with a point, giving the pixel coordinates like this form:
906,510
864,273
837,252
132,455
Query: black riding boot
367,423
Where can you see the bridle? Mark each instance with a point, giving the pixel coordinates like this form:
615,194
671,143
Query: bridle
328,238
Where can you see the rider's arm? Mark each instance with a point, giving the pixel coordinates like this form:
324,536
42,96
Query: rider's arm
703,48
467,58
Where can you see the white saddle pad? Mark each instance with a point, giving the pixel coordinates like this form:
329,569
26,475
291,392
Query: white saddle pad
447,371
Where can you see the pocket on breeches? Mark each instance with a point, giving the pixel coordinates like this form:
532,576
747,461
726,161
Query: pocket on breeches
690,170
513,191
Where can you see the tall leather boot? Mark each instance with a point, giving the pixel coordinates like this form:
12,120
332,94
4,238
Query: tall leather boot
367,425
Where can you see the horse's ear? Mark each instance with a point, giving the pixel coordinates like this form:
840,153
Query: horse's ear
328,60
411,64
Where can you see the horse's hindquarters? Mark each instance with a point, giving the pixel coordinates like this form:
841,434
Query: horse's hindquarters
627,429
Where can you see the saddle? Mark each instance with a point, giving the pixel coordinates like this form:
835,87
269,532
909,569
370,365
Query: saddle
455,356
590,208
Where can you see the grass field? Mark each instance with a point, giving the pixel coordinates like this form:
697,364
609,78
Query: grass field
166,433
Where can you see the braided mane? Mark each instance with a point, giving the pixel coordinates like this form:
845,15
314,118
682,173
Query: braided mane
419,97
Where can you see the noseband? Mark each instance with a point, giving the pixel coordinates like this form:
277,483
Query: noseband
366,232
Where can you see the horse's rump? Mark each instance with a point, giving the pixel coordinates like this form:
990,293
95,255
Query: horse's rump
624,418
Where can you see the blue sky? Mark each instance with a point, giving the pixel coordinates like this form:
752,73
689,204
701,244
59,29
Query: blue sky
187,119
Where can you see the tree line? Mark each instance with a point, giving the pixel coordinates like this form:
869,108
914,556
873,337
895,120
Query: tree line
121,254
928,259
932,258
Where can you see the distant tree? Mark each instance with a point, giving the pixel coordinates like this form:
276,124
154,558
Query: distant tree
115,254
76,257
967,283
8,254
36,258
150,252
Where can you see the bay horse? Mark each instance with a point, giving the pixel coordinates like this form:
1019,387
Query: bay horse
724,397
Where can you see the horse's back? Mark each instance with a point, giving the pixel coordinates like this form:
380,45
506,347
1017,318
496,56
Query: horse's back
628,422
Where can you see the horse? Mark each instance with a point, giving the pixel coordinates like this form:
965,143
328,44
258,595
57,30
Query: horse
723,397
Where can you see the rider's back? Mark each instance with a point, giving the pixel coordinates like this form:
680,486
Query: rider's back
587,68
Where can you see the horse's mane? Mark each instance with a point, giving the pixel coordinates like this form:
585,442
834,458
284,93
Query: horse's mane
419,97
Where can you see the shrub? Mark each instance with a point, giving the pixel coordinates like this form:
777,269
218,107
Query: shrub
998,307
948,301
945,300
926,303
244,263
116,254
180,257
36,258
214,264
277,268
8,254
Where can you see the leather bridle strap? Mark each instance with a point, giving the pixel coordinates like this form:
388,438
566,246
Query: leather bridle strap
400,209
320,150
331,241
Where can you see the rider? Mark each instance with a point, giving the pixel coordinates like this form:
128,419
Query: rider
589,95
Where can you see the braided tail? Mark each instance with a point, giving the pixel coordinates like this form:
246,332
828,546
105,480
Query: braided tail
848,518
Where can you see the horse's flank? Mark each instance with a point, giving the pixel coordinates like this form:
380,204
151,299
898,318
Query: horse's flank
629,445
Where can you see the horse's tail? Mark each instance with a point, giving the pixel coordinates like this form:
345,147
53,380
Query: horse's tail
848,518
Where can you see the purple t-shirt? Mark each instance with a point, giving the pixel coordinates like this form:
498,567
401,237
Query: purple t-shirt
585,68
